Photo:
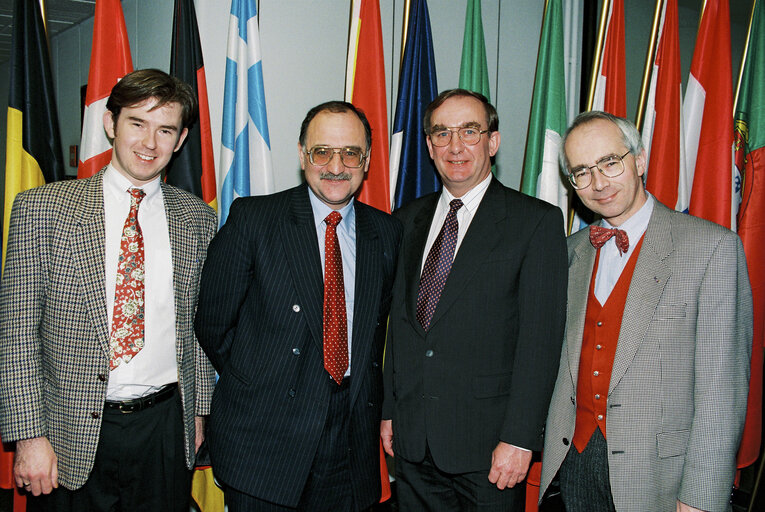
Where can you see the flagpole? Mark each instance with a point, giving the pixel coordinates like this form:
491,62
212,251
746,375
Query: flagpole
649,60
403,33
743,57
598,53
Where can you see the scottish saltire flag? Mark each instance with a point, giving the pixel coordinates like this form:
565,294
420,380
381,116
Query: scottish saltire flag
541,172
245,157
412,173
666,176
708,118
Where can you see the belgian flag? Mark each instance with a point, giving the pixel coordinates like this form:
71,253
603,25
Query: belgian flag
33,149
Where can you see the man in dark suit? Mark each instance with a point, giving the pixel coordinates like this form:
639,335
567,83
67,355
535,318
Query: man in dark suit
292,313
650,401
476,324
102,384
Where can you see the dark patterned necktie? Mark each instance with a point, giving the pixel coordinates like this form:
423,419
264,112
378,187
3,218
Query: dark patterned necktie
437,266
600,235
335,318
127,336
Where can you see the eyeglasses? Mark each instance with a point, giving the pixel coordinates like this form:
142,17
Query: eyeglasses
349,156
468,135
609,166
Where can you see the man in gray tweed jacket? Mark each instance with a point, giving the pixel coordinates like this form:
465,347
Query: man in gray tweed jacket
650,400
102,383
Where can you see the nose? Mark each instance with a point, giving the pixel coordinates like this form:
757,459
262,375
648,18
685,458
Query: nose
455,143
599,182
150,140
335,165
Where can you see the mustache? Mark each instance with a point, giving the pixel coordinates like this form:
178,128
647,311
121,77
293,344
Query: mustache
343,176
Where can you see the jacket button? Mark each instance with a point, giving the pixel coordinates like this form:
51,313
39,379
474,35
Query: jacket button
370,404
565,441
95,415
291,393
101,377
375,364
296,351
429,353
296,308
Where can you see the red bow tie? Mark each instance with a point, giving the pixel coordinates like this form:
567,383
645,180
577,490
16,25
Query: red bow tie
600,235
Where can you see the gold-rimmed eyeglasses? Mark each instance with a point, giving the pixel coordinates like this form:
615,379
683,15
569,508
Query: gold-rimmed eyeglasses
350,156
609,166
469,135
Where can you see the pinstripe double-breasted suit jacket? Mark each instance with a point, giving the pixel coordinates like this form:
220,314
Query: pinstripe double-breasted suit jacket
679,384
260,321
54,339
484,371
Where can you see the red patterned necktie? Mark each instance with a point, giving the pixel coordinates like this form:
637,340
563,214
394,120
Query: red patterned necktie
600,235
437,266
127,336
335,318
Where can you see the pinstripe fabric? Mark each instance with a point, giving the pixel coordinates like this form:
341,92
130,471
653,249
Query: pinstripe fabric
677,395
53,322
260,322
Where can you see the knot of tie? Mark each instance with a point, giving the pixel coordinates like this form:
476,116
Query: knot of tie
600,235
137,194
333,219
454,205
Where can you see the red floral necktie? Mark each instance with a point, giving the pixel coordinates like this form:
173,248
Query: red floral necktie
127,336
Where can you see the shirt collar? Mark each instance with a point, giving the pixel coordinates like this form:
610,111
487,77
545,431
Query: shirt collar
636,225
118,185
321,210
471,200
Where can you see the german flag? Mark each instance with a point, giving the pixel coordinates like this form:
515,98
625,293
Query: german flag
33,151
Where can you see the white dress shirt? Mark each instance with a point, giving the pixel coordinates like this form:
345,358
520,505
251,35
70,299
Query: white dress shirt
155,365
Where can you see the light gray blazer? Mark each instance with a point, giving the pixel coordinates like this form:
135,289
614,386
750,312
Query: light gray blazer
678,390
54,339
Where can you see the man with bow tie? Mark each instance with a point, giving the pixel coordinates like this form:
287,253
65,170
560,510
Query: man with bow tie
650,400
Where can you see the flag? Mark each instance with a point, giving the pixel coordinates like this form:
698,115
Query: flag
412,171
245,144
109,61
708,117
192,168
663,138
750,160
474,73
541,171
611,83
33,145
366,90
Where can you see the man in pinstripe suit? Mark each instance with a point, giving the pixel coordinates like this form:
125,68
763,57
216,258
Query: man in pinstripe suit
286,433
94,428
650,400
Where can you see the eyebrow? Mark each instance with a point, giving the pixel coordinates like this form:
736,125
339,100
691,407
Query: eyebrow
604,157
467,124
143,121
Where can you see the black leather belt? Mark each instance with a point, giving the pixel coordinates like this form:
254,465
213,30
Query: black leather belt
139,404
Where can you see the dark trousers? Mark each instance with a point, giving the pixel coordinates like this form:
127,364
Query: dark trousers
584,483
328,488
140,466
421,486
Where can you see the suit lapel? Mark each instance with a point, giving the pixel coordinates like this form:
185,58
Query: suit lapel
87,251
183,249
302,254
365,296
413,257
647,285
481,238
580,274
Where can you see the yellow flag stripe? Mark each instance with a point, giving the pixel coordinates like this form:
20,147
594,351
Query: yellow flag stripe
22,171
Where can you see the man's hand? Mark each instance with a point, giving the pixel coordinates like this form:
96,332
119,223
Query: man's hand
35,468
682,507
199,428
386,434
509,465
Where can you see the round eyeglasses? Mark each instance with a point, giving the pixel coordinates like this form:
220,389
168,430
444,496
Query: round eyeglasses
609,166
468,135
349,156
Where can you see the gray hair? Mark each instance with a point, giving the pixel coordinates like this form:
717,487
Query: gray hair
630,135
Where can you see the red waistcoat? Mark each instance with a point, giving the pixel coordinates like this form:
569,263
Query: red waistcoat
601,333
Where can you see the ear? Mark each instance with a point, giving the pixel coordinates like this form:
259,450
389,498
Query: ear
109,124
184,133
494,140
430,146
366,162
302,157
640,162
